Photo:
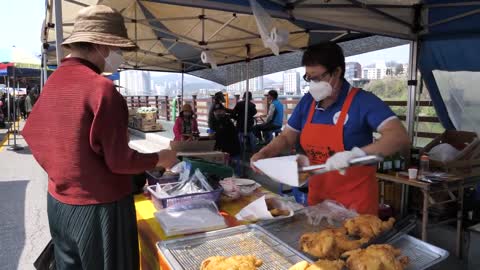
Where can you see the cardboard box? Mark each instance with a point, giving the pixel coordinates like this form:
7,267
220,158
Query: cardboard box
193,146
145,124
212,156
148,116
151,127
467,161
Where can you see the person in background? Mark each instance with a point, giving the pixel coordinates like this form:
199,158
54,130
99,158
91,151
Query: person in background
218,99
226,139
21,107
186,127
274,119
239,116
29,102
84,149
2,116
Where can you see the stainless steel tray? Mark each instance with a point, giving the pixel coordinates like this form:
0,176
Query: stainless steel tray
421,254
189,252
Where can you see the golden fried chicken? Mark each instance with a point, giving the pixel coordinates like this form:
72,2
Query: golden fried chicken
319,265
367,226
231,263
329,243
375,257
279,212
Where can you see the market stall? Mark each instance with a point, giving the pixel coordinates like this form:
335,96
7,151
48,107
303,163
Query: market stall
169,45
278,242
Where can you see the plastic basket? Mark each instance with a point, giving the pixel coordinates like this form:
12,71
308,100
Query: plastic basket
207,167
154,177
160,203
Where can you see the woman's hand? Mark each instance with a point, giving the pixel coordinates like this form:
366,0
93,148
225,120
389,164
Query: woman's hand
167,158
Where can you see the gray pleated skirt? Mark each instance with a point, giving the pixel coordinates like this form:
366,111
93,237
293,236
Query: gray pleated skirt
94,237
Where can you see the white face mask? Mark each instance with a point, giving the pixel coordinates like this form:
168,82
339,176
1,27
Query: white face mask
320,90
113,60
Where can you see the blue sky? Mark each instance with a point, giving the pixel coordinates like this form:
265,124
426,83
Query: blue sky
21,24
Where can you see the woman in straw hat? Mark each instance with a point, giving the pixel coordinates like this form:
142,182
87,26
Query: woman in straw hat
186,127
84,149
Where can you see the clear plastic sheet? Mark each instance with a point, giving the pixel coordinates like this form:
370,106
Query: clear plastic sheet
198,216
459,92
332,211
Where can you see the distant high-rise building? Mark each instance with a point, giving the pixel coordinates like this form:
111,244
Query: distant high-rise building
255,84
136,82
291,82
377,72
353,70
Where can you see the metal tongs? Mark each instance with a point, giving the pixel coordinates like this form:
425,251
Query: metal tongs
322,168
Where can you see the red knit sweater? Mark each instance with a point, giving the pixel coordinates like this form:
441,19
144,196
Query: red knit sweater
77,131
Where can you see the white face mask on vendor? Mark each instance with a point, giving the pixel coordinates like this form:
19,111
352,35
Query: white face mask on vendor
320,90
113,61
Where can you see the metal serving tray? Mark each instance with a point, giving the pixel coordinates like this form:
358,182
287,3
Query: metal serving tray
189,252
421,254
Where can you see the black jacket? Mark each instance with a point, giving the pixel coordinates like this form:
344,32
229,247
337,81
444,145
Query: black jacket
239,115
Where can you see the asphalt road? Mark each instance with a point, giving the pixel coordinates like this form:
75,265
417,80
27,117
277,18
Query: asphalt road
23,223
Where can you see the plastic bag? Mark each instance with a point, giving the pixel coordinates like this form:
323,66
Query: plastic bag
443,152
272,37
186,185
198,216
330,210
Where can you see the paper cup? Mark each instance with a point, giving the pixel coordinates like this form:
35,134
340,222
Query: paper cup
412,173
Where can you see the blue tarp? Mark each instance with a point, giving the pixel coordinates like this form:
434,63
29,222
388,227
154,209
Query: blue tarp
450,46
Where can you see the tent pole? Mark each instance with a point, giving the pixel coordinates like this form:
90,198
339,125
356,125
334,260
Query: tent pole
7,78
412,88
15,147
58,30
183,79
245,119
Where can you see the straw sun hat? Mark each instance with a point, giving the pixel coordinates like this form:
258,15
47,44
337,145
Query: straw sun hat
102,25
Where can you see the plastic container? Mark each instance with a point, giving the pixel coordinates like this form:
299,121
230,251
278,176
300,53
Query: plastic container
211,168
424,164
156,176
161,203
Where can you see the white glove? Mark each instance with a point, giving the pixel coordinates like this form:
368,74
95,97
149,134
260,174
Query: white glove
341,160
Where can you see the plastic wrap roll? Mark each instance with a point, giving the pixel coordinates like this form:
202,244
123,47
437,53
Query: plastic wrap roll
208,58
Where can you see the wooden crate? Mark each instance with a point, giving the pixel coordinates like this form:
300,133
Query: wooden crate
147,116
467,161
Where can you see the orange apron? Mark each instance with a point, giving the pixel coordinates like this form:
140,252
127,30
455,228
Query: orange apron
358,188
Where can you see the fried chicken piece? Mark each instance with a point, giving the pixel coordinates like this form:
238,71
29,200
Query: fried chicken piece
367,226
279,212
319,265
329,243
231,263
376,257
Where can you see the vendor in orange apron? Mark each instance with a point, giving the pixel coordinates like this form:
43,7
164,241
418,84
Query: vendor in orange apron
355,188
334,123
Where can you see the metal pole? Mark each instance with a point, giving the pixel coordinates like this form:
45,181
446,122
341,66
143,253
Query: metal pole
8,108
15,147
245,120
412,89
8,98
58,30
183,78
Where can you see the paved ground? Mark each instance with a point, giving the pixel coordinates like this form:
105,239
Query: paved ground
23,223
